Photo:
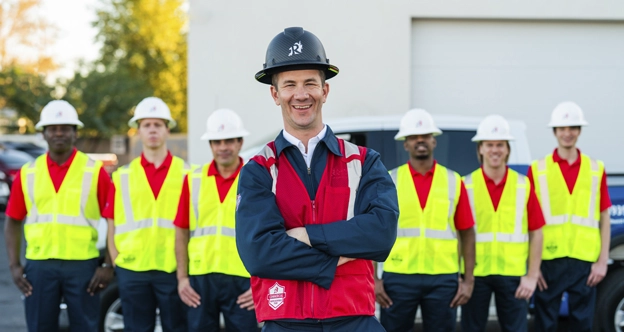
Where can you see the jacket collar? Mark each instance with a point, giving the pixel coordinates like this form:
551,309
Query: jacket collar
330,141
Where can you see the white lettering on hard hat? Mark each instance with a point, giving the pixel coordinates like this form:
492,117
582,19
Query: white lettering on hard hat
296,49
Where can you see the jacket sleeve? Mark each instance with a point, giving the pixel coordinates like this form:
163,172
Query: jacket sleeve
263,245
371,233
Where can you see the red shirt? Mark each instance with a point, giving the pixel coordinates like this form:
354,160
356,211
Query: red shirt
535,215
16,207
223,186
570,174
155,176
463,214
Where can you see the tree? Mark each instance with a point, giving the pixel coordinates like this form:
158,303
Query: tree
23,30
25,92
146,39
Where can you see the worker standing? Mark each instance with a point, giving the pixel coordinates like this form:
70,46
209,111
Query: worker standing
572,189
205,235
60,195
313,209
422,269
141,236
508,220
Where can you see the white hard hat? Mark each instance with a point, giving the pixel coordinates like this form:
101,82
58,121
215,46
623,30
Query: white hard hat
567,114
152,108
58,112
416,122
223,124
493,128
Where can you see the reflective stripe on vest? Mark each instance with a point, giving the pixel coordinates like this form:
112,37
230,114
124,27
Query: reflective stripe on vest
447,234
426,238
572,219
144,230
545,197
61,224
35,217
502,246
518,236
212,243
354,171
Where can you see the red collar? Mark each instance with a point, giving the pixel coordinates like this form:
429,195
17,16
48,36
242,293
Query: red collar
66,164
165,163
488,179
429,172
558,159
213,171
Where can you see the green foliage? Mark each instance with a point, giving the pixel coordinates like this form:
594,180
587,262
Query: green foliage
25,92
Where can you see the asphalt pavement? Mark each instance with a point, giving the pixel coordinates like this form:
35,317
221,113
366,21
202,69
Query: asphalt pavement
11,305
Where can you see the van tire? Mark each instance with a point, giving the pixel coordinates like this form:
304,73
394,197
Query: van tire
610,301
107,298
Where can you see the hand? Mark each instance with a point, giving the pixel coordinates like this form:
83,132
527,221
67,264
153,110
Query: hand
19,278
598,272
187,293
464,292
541,282
300,234
245,300
344,260
380,294
101,279
526,288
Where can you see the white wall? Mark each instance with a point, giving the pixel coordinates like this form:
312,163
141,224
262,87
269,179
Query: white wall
370,41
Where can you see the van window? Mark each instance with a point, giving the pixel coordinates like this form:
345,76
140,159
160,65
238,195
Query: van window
454,150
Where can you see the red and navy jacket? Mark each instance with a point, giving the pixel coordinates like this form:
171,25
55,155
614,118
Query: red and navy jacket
291,280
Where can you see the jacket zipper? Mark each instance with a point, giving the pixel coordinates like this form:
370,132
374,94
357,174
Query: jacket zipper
313,285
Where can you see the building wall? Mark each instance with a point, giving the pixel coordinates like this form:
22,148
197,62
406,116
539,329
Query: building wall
375,44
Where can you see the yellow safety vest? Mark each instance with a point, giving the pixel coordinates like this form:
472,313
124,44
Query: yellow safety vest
212,245
144,231
63,224
426,240
571,228
502,246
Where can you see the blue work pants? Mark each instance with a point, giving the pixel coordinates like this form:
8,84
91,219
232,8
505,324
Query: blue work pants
355,323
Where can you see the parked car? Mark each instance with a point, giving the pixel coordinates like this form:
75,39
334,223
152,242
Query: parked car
11,161
32,149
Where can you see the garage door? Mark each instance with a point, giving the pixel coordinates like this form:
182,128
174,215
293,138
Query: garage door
522,69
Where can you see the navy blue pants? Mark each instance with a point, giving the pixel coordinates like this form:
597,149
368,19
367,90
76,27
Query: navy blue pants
565,275
512,312
355,323
219,293
433,293
52,279
142,292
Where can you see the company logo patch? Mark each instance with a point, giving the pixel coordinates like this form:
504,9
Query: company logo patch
59,114
552,248
297,48
566,116
277,294
153,109
221,128
419,124
495,130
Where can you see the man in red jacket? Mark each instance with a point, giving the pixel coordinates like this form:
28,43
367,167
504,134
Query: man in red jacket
313,210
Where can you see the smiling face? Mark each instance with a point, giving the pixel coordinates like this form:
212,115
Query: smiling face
567,136
153,133
301,95
60,138
494,154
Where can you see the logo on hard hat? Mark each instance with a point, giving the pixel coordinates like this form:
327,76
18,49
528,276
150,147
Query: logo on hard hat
495,130
566,116
277,294
296,49
59,114
419,123
153,109
221,128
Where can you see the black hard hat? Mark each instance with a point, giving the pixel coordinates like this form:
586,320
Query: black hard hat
295,49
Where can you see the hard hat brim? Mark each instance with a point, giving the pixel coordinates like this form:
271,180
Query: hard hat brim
478,138
42,124
582,123
265,75
217,136
134,122
400,136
